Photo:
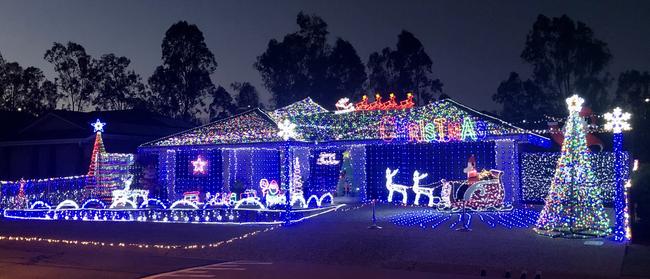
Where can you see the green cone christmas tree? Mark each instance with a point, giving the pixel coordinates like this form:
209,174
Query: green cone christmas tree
574,205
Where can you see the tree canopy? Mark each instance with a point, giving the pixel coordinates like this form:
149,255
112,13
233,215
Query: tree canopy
566,58
117,87
303,64
247,96
25,89
521,100
222,104
633,95
182,82
408,68
75,74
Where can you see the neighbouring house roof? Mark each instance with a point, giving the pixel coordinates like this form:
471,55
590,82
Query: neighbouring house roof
12,122
316,124
60,124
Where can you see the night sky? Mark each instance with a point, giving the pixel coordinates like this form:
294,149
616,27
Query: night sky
474,44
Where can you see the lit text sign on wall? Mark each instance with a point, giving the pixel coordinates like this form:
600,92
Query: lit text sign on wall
440,130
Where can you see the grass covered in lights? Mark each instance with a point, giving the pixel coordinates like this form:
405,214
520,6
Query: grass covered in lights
432,219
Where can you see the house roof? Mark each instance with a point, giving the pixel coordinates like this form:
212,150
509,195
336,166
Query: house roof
247,127
316,124
366,125
303,107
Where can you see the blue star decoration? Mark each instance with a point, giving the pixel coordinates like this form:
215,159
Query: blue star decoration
98,125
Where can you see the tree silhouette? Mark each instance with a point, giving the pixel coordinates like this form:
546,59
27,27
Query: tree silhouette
633,94
181,83
117,87
346,73
25,89
632,90
566,59
247,96
75,76
304,65
222,104
408,68
521,99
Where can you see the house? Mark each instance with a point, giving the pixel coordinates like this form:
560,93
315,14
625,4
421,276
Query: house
244,152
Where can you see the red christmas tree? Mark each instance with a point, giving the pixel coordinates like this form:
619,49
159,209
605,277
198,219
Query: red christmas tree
98,148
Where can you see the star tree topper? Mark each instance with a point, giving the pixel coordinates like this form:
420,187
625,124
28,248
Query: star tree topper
617,121
98,126
287,130
575,103
199,165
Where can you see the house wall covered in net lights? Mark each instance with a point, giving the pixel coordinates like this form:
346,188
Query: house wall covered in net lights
344,152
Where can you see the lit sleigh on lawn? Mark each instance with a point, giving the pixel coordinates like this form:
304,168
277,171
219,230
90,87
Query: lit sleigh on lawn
484,192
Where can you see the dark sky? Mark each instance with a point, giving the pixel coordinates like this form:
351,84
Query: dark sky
474,44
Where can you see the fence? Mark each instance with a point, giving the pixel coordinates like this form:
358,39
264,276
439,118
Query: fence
49,190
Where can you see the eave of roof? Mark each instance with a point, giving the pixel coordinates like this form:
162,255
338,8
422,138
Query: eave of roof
325,132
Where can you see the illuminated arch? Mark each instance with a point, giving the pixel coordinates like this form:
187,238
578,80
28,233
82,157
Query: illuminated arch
147,202
322,198
93,201
183,202
41,204
66,203
250,200
125,202
313,198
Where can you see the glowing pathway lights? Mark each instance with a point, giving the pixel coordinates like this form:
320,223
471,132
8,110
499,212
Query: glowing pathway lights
617,122
287,130
248,211
432,219
199,165
80,243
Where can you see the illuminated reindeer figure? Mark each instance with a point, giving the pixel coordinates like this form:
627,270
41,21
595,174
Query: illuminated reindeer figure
421,190
392,188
